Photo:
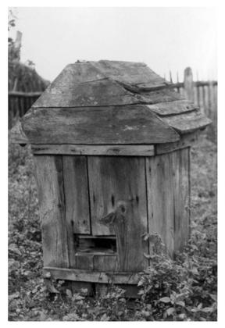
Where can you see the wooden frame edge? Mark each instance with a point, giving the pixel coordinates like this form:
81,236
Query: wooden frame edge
91,276
94,150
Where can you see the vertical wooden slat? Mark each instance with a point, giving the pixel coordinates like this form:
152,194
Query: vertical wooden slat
10,112
30,102
204,100
22,107
114,180
215,91
201,99
188,84
26,104
76,193
101,201
209,99
168,194
181,168
161,198
49,176
177,77
198,95
171,79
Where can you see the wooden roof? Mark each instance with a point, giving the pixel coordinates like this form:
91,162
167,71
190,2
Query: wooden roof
108,102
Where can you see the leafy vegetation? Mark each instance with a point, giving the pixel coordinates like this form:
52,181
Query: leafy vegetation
177,290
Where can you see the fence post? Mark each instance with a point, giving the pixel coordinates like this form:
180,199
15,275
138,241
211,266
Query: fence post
188,84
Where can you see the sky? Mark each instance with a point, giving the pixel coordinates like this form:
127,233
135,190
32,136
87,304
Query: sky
166,39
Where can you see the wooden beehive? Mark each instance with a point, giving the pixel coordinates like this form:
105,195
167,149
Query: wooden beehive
111,142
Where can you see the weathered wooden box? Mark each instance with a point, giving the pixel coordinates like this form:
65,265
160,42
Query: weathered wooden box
111,142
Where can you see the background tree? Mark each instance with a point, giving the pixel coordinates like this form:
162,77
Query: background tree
13,46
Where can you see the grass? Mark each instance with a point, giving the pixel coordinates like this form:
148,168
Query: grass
28,298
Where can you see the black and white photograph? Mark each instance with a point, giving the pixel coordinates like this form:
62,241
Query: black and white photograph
112,163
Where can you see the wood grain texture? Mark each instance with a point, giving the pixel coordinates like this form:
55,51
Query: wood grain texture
99,84
97,125
131,73
107,263
55,233
84,275
187,122
112,180
181,162
84,262
186,140
93,150
188,84
172,107
103,92
76,193
96,262
81,85
168,181
161,199
160,96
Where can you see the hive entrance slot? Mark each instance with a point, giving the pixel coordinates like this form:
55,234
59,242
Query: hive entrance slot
95,244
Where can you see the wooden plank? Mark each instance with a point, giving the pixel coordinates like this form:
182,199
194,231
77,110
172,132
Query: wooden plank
106,150
186,140
161,96
204,100
114,180
168,179
106,263
188,84
76,193
84,262
131,73
181,164
24,94
96,125
161,198
55,232
187,122
198,95
172,107
99,277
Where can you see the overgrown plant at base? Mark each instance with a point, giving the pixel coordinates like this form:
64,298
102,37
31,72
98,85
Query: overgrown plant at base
184,288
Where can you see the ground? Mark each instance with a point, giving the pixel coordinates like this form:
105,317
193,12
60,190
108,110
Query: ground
30,301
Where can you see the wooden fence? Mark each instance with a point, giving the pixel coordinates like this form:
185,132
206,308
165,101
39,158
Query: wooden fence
19,103
202,93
